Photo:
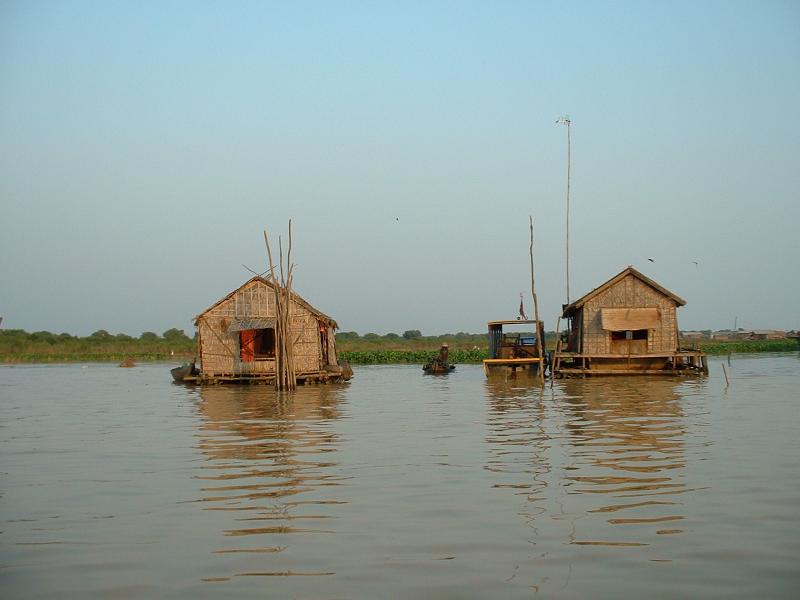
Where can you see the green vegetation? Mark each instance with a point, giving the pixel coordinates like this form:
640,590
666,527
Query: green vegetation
398,357
16,345
743,346
411,347
410,341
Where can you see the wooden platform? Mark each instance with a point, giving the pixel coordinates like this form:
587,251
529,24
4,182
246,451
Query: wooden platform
595,371
318,377
681,363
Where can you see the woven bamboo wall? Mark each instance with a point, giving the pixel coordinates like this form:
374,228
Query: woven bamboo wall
307,352
631,292
332,358
219,348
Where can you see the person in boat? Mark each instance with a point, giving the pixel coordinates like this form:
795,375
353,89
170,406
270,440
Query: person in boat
440,364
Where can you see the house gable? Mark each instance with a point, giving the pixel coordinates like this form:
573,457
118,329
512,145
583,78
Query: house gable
604,309
625,277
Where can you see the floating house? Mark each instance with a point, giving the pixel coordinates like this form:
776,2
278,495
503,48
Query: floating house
237,341
627,325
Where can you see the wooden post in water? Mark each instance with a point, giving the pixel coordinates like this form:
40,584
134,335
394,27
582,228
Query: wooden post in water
556,358
540,343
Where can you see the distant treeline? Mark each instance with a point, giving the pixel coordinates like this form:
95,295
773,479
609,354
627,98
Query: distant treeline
410,347
413,357
17,345
411,338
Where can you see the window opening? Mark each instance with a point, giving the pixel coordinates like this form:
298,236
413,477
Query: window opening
257,344
636,334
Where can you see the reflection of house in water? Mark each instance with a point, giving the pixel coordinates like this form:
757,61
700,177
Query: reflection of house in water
628,451
598,463
269,458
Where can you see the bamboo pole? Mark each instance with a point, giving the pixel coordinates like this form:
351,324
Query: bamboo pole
540,339
274,282
287,290
285,375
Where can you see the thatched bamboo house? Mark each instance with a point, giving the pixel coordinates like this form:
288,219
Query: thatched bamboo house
627,325
237,339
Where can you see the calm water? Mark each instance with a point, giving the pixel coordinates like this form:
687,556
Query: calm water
115,483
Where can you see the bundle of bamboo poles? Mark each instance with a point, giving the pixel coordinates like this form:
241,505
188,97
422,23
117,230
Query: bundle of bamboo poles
285,376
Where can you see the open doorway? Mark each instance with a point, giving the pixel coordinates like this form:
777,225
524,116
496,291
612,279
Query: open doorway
256,344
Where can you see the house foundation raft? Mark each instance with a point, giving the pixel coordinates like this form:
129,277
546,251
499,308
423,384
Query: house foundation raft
237,340
626,326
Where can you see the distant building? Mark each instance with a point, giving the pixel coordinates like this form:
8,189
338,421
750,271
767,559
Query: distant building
694,335
763,334
724,335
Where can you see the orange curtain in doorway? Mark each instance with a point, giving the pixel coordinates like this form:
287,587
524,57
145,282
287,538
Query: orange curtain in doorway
247,342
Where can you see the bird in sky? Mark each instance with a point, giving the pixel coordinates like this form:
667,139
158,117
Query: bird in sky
651,260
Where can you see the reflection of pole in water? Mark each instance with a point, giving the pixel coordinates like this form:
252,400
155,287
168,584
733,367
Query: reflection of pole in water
518,442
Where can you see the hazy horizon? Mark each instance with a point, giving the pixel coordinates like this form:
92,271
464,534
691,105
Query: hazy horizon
144,148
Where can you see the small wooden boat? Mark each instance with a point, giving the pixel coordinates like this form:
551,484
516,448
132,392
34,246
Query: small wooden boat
511,355
434,369
179,374
440,364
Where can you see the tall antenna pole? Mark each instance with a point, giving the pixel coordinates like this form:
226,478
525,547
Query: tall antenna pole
565,120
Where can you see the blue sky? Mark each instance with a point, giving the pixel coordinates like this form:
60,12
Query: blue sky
145,146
